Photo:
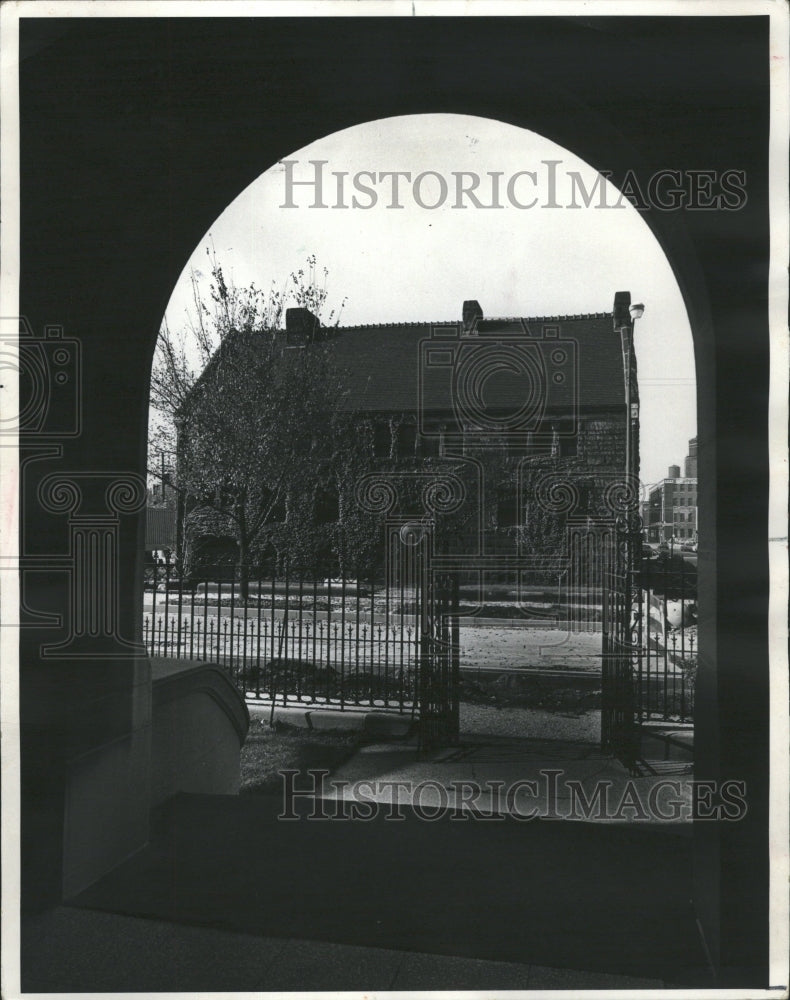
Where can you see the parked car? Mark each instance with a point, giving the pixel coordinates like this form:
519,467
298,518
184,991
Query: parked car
688,547
648,552
681,614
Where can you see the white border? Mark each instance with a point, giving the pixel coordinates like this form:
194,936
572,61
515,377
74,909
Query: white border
398,8
9,512
779,15
778,827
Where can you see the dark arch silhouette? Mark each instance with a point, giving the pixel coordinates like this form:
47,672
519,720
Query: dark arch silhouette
136,134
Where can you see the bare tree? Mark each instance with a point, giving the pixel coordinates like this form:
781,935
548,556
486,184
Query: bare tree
261,428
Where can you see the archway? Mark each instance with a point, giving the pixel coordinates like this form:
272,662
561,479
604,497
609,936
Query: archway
467,207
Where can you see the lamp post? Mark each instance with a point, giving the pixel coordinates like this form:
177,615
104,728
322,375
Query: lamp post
635,312
625,316
619,668
624,320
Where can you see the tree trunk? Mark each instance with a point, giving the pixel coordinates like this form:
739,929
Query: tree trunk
244,567
341,523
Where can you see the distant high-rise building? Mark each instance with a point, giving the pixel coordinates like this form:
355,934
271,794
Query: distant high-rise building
672,503
690,465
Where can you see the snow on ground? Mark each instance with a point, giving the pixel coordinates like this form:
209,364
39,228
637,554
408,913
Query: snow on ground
508,648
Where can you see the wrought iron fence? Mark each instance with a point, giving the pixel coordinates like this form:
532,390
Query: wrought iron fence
664,638
345,642
340,641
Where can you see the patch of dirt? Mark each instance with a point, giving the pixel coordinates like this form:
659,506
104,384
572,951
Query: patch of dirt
510,722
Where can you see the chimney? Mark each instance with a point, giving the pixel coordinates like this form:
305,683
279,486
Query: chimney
621,316
301,327
674,472
471,313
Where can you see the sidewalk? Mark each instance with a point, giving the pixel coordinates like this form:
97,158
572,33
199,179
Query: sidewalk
603,900
552,763
230,897
78,951
526,779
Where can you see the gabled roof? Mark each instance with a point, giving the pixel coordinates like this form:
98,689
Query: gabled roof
397,367
385,361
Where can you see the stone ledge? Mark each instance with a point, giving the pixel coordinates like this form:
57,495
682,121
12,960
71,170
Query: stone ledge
173,679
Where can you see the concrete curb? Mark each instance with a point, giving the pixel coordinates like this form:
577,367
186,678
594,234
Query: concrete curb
374,724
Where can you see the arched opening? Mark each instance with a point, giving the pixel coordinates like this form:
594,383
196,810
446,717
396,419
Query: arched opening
416,220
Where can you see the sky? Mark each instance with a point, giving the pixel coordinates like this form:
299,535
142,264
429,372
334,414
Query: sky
393,257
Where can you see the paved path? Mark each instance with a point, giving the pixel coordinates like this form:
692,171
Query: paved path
79,951
534,893
498,761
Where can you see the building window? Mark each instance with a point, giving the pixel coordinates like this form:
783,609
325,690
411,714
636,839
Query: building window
407,440
382,440
569,447
326,507
427,447
585,488
507,511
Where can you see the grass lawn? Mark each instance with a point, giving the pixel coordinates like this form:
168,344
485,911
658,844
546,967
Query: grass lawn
268,751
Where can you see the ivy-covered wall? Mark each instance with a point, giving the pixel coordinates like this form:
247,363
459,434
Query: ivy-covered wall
518,498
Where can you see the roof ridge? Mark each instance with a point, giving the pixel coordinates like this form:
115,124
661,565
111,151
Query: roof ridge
535,319
378,326
485,319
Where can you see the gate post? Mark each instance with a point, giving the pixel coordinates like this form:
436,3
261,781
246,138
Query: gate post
439,655
618,731
454,734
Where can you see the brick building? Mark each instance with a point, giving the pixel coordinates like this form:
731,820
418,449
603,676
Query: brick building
513,406
672,503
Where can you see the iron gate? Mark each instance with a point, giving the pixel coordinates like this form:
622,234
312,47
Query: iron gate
410,566
619,730
439,663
